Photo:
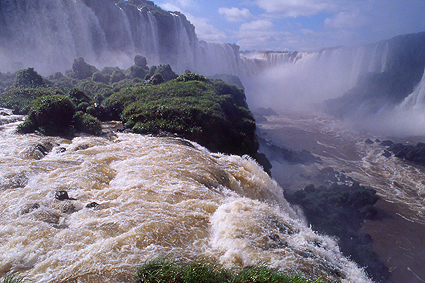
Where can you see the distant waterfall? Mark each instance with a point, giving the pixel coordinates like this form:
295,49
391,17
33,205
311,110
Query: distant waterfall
416,100
48,35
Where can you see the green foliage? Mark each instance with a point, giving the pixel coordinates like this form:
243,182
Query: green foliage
12,278
192,109
263,274
166,72
157,79
186,77
137,72
204,271
117,76
99,77
56,76
81,69
21,99
78,96
50,115
28,78
86,123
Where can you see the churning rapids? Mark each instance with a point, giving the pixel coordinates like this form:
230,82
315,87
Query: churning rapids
156,197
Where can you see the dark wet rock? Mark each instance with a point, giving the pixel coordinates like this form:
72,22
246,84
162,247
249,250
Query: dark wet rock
340,210
62,195
369,141
40,150
412,153
14,181
68,208
184,142
92,205
387,154
82,147
387,143
30,207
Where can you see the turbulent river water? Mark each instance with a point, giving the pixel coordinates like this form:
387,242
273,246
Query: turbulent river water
400,226
150,197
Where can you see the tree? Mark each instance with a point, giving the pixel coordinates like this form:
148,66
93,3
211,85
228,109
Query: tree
157,79
28,78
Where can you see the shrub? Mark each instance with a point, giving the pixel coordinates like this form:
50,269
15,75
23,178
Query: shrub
186,77
166,72
157,79
28,78
78,96
22,99
136,72
86,123
50,115
117,76
102,78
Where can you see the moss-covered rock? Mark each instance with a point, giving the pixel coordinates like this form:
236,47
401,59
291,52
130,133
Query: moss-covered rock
195,108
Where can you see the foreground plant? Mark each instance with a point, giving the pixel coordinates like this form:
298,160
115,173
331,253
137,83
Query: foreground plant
12,278
204,271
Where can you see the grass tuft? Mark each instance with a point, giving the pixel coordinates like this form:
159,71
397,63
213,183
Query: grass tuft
204,271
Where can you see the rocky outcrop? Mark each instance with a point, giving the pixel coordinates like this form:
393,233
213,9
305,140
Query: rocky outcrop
412,153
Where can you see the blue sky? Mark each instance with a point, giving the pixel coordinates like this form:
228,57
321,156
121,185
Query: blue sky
303,25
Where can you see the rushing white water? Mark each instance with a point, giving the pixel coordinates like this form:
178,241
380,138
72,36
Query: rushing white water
155,196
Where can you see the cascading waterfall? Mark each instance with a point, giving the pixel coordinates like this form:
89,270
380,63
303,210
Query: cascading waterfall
416,100
48,35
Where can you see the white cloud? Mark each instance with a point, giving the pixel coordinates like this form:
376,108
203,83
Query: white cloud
256,34
234,14
170,7
206,31
297,8
347,20
178,5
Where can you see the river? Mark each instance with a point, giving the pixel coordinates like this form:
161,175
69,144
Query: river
132,198
400,225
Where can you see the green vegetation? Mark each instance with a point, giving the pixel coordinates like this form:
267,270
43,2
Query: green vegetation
148,100
204,271
200,110
50,114
28,78
12,278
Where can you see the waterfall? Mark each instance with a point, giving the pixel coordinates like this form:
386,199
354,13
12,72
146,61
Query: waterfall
416,100
48,35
